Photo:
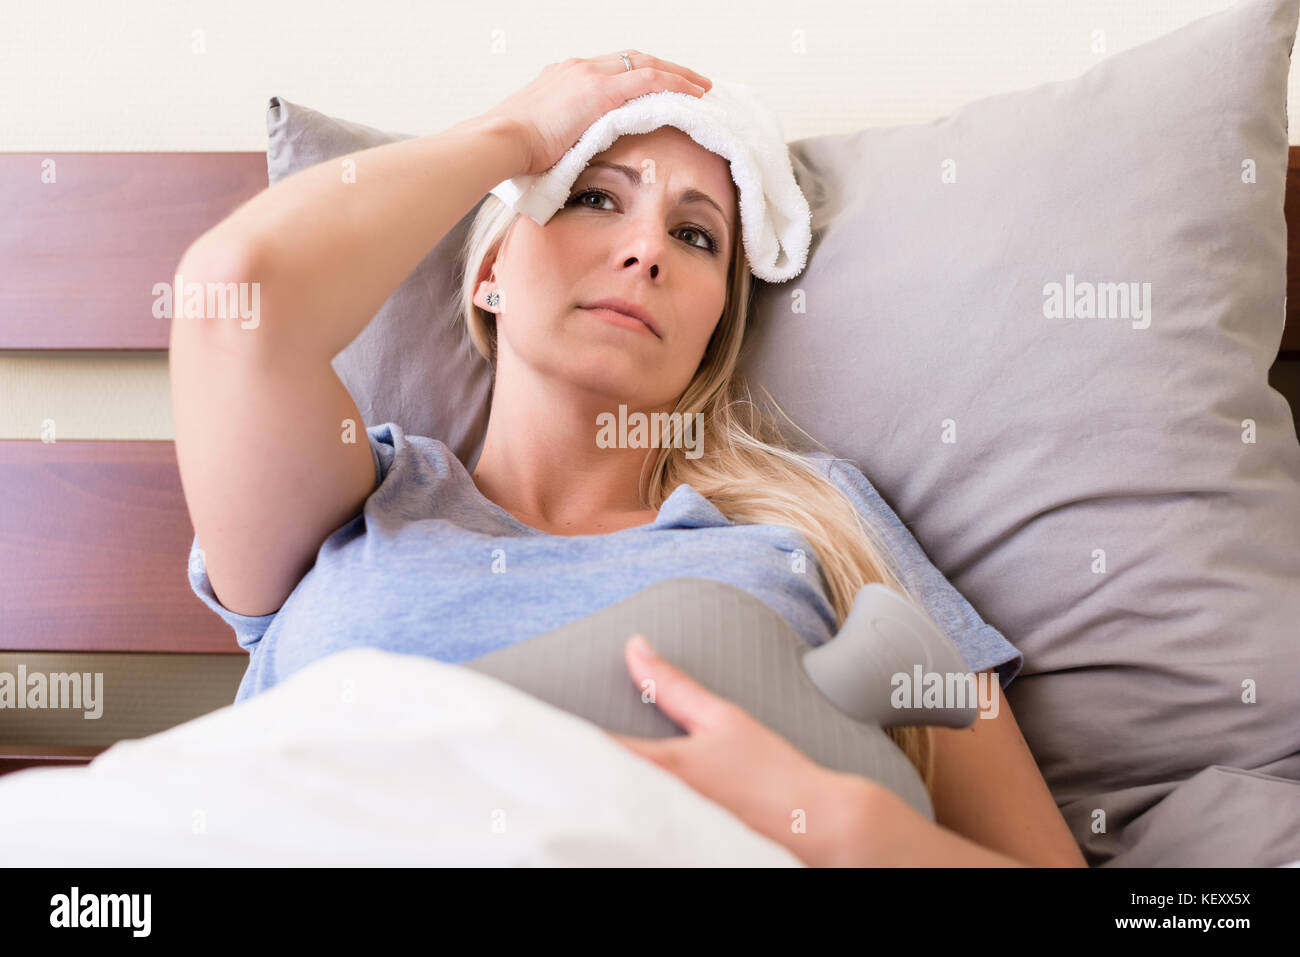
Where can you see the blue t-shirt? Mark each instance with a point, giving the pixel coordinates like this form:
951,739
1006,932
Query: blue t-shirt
431,566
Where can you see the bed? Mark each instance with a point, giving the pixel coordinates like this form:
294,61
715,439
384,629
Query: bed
95,534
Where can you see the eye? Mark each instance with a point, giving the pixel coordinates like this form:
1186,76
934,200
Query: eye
588,192
712,242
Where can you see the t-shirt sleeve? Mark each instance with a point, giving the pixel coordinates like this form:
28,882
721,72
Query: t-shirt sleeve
250,629
982,645
384,442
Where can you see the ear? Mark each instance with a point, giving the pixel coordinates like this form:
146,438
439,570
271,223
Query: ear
481,293
486,284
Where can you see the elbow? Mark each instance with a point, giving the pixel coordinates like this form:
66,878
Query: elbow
217,257
212,263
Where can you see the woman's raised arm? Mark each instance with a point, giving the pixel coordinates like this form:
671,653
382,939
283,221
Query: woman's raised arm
330,243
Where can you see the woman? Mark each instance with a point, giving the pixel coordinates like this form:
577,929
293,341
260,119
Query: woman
531,302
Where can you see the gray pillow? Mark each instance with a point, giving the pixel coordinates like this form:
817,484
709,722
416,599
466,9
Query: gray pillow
1029,453
411,364
1082,481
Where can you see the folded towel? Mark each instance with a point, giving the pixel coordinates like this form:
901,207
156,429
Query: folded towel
730,120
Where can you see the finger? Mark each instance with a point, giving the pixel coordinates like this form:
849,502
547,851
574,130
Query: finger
683,699
640,60
645,80
643,59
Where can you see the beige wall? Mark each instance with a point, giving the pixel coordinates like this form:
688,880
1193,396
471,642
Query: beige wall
88,75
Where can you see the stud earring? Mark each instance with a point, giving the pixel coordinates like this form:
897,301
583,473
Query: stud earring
493,298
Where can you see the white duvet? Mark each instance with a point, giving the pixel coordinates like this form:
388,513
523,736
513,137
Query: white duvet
372,758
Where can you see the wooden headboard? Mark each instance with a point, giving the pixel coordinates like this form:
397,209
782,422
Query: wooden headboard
95,535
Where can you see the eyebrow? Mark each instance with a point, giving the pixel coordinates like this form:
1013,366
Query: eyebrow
688,195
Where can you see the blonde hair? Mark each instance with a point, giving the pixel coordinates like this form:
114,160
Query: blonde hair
747,469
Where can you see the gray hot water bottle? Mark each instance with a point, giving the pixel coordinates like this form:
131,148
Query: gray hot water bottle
831,702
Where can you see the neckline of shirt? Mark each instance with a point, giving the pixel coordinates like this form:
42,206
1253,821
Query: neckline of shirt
683,508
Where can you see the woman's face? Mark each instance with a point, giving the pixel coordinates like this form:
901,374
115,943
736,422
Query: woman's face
633,238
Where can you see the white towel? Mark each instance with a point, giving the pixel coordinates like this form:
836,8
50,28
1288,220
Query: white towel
730,120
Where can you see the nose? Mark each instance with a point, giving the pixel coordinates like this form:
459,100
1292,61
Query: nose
653,271
643,245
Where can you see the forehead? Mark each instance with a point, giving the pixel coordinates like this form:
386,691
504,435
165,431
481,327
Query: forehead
685,160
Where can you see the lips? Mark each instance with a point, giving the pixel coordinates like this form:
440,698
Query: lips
627,309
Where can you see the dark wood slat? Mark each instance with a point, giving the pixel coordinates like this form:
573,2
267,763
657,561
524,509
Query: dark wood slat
94,545
45,756
82,254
